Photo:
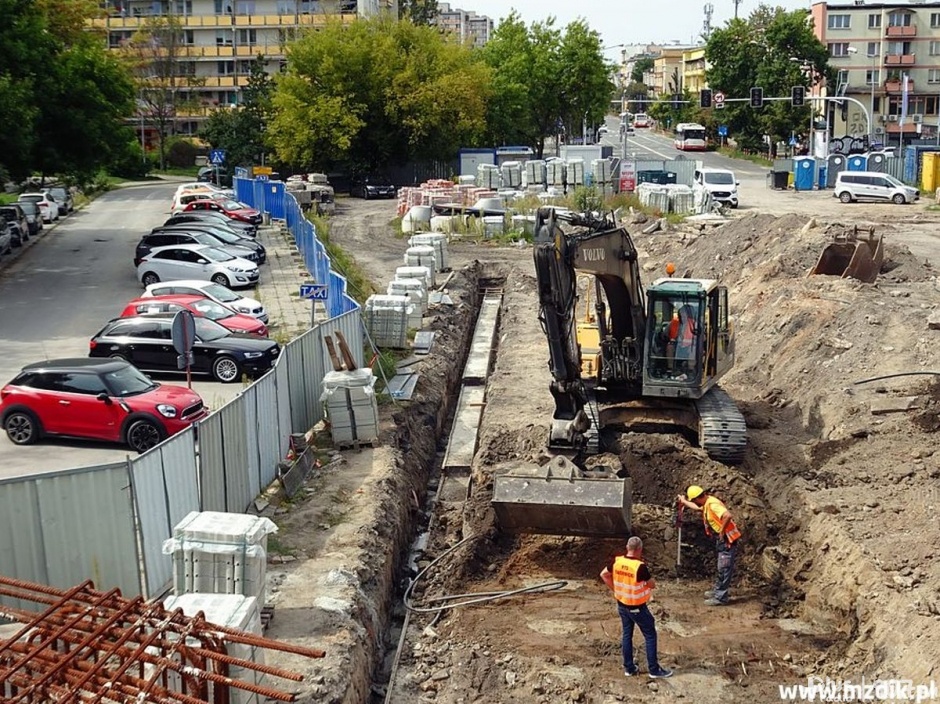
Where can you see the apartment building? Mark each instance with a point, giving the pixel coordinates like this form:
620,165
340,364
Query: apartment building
693,70
874,46
465,24
666,66
221,38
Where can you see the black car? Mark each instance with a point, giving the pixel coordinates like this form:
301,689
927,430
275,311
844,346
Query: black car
243,229
166,237
373,187
146,342
33,216
225,236
19,226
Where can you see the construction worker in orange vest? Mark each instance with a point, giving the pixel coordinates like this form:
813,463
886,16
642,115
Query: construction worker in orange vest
718,524
629,579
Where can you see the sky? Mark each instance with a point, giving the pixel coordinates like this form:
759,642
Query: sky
626,21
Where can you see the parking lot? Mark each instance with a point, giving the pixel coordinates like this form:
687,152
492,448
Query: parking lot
61,290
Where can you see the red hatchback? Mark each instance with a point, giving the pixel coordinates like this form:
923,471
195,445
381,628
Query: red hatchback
198,306
232,209
101,399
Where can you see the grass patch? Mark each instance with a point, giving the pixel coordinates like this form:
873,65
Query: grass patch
276,547
735,153
179,171
357,283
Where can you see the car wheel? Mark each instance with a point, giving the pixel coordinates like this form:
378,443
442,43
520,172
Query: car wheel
225,369
734,205
221,280
143,434
899,198
845,197
149,278
22,427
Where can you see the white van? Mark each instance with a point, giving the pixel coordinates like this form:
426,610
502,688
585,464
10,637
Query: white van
720,183
853,185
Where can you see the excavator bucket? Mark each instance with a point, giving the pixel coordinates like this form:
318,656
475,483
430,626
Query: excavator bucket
851,256
560,499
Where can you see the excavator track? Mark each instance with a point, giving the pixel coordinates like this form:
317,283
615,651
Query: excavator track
722,430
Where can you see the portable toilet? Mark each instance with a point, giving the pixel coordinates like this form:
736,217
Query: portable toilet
804,172
836,165
857,162
876,162
822,181
928,177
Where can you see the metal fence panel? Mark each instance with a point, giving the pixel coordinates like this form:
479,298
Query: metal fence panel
274,199
151,503
269,429
314,370
88,528
22,551
180,474
684,169
235,446
211,464
244,190
282,394
292,358
249,407
894,165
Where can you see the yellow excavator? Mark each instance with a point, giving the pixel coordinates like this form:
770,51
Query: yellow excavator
648,361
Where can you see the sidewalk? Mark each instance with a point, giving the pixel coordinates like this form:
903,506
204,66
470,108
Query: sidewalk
279,286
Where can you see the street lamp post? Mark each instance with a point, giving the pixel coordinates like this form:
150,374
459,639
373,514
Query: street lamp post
875,77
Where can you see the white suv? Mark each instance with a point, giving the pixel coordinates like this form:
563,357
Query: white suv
853,185
196,261
720,183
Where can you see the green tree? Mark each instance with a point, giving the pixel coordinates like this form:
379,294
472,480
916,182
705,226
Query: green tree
418,11
541,76
641,66
766,50
374,92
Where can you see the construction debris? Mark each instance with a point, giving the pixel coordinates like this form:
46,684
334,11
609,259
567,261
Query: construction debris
88,645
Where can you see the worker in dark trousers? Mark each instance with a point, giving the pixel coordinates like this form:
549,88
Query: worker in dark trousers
629,579
720,525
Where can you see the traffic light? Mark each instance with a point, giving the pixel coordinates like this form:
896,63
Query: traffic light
798,96
705,98
757,97
676,101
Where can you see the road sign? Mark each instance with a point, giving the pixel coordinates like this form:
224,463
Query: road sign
793,141
722,130
627,176
183,331
217,156
719,99
184,360
315,292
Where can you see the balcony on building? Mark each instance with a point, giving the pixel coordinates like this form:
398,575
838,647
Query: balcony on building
901,31
899,59
896,85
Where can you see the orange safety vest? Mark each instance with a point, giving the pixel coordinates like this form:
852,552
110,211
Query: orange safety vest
687,330
712,512
627,590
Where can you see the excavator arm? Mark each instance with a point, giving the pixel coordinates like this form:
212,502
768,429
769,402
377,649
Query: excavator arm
600,247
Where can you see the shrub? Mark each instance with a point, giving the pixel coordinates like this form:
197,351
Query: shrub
181,152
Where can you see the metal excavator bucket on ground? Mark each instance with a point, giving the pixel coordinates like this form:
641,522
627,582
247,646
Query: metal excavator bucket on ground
559,498
850,255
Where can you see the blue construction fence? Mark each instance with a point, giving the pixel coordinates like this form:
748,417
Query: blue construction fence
271,197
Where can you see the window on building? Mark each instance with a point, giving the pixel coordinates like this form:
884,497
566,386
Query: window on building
839,49
244,66
874,21
244,8
223,7
247,36
188,38
224,37
840,21
842,78
935,48
876,106
285,7
933,75
899,19
895,48
228,97
872,77
184,7
187,68
930,105
935,19
874,48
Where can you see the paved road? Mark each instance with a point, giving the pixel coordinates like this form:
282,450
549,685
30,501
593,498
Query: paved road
61,291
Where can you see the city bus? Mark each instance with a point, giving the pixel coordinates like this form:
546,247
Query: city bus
690,136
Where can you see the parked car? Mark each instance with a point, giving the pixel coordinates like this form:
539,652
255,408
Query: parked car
146,342
871,185
230,208
6,238
100,399
722,184
19,226
33,216
200,307
226,237
47,205
196,261
63,196
242,229
214,292
183,198
164,238
372,186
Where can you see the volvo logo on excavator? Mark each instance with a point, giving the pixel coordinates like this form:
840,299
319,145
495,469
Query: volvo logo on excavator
594,254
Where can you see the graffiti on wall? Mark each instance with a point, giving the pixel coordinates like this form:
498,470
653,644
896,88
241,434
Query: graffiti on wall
856,123
848,145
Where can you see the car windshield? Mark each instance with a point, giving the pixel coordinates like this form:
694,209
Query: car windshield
720,178
231,205
894,182
217,255
128,381
209,330
58,192
32,199
224,235
221,293
28,207
211,309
